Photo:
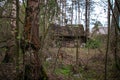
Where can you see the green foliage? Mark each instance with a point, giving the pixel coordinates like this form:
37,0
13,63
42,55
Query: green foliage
46,65
18,37
65,70
93,43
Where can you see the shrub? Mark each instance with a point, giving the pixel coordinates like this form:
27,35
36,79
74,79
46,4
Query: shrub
93,43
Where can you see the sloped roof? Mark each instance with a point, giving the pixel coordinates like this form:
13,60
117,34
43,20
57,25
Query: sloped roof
101,30
68,30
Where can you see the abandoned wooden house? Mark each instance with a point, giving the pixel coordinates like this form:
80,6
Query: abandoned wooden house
67,36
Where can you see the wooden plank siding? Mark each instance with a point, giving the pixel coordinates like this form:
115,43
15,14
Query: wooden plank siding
66,36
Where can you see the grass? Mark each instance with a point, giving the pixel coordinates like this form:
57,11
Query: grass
64,70
89,57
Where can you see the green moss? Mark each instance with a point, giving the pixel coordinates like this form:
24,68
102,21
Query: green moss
65,70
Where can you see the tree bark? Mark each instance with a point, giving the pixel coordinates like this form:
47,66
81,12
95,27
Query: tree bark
108,42
114,40
87,18
11,43
33,68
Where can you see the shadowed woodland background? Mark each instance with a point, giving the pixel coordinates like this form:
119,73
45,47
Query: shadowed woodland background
54,40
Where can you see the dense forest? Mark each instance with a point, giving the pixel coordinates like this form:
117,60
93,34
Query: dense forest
59,40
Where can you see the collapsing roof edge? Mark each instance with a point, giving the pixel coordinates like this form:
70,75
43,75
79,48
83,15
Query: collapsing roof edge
68,30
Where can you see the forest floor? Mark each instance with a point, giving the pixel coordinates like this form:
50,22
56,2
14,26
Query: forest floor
90,65
61,64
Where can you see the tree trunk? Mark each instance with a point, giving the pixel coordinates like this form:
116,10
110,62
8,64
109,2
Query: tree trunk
87,18
108,41
114,40
11,44
114,31
33,67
